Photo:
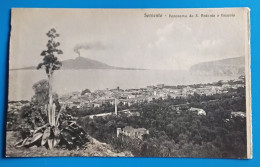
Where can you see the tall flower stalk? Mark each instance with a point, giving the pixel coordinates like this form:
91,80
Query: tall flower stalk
51,63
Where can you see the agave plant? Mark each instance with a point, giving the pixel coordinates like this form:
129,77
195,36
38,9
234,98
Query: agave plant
61,131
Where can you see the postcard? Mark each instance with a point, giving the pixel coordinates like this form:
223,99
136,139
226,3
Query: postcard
129,83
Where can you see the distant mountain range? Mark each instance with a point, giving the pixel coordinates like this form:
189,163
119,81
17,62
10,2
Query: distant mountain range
82,63
230,66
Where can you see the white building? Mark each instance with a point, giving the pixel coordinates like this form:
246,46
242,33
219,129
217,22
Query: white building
198,110
131,132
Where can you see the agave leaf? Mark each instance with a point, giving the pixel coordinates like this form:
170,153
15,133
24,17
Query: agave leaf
26,142
46,135
40,128
73,128
56,141
64,124
50,143
36,137
19,142
56,132
59,114
53,110
72,122
18,146
67,137
49,114
69,129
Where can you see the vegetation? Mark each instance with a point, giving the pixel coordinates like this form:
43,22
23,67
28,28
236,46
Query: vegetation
85,91
35,130
40,124
180,132
51,63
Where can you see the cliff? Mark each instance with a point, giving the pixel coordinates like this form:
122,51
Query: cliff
230,66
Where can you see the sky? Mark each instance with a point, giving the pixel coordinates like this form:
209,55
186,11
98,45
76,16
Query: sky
125,38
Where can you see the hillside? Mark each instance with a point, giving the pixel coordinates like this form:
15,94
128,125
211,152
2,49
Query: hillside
230,66
82,63
92,149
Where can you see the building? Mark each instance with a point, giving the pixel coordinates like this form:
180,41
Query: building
238,114
132,133
150,88
128,102
100,115
130,96
130,113
160,86
109,101
198,110
151,98
97,104
179,107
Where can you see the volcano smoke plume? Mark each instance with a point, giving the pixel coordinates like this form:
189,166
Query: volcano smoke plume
88,46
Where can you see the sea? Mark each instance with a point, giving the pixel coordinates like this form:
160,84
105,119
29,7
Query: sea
67,81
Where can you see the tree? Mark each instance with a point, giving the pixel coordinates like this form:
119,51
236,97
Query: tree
41,92
51,63
85,91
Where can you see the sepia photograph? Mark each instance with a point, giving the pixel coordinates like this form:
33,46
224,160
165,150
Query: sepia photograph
129,83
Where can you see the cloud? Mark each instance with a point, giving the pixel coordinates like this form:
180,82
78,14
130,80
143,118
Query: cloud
179,45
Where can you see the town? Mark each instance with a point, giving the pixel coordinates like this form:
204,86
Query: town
128,97
96,99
